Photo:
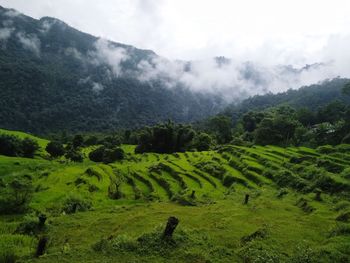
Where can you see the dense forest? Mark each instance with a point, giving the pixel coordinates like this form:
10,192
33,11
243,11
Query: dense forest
54,77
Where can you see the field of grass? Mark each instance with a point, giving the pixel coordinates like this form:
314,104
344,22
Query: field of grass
298,210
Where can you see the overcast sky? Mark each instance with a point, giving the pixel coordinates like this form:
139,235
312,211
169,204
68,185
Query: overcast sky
275,31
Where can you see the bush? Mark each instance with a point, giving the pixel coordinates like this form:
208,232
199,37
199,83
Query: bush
103,154
55,149
326,149
330,166
9,145
91,140
16,197
286,178
14,146
29,147
202,142
340,230
75,204
74,156
343,148
97,154
112,155
342,205
228,180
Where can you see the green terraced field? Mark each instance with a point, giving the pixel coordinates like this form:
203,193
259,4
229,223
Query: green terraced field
129,202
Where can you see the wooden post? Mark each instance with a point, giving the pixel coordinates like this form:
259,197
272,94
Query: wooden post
40,250
318,193
170,227
246,199
42,219
193,194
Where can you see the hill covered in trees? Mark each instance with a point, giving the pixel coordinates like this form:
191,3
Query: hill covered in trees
54,77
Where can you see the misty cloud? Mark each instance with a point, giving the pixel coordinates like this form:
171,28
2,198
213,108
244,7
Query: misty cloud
71,51
97,87
106,53
29,42
12,13
5,33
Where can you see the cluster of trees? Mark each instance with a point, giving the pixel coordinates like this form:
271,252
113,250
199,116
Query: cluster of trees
11,145
285,125
168,138
70,147
106,155
71,151
294,118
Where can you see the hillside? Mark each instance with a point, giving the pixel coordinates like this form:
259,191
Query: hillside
298,207
54,77
310,97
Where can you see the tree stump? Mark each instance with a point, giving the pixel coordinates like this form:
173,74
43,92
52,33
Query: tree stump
246,199
193,194
170,227
40,250
42,219
318,193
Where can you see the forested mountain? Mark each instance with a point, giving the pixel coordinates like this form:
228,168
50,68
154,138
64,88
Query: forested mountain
54,77
311,97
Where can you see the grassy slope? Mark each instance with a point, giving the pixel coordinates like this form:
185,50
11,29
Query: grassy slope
210,230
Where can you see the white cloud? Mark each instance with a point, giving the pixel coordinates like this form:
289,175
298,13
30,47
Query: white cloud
106,53
12,13
5,33
71,51
29,42
267,33
97,87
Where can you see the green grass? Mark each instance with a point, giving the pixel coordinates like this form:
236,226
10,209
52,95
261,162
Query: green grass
151,187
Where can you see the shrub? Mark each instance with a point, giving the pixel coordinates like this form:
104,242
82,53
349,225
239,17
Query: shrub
112,155
55,149
91,140
228,180
328,184
30,226
286,178
330,166
326,149
342,205
29,147
343,148
97,154
9,145
74,156
344,217
103,154
340,230
75,204
16,197
202,142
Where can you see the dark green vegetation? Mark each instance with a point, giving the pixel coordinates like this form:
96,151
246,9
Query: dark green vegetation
287,119
298,207
54,77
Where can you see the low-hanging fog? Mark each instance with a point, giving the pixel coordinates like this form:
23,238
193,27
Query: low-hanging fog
232,48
